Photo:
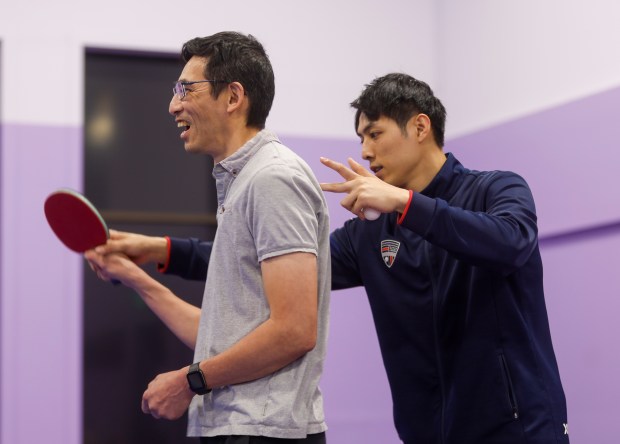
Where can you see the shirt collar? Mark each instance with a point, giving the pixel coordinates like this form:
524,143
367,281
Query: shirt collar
234,163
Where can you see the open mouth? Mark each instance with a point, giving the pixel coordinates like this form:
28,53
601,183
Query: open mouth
183,124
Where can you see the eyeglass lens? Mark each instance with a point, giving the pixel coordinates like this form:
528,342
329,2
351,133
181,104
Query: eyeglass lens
179,90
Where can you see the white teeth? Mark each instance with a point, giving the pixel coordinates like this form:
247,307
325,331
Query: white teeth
182,123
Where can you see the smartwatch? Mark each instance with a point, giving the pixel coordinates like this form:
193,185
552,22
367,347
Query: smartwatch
196,380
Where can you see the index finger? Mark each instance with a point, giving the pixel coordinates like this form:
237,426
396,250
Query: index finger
340,187
338,167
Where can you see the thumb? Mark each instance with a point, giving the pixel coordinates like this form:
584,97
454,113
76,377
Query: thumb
111,246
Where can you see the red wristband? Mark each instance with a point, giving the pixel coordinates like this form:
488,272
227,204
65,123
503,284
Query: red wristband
401,218
163,267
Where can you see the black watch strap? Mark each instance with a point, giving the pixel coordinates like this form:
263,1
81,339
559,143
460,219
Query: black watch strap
196,380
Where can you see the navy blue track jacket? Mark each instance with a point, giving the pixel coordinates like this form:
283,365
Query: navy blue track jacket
456,293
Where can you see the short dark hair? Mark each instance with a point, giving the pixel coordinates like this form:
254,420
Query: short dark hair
235,57
399,97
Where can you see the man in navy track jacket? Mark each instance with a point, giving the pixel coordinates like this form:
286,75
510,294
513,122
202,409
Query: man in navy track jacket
454,278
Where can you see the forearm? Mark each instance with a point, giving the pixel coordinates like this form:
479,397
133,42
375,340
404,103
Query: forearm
179,316
498,232
270,347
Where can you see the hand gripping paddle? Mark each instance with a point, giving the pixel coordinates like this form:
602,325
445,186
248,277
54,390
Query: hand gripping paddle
75,221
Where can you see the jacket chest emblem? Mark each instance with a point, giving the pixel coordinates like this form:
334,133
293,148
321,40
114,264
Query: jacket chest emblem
389,249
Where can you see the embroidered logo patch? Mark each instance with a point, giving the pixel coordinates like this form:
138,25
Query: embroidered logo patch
389,248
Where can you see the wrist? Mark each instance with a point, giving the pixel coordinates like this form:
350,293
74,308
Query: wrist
162,253
160,249
403,213
196,380
404,200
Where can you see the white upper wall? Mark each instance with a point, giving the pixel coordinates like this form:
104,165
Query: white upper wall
488,60
323,51
500,59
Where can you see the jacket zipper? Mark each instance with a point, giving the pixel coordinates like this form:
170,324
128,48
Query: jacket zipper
511,392
436,339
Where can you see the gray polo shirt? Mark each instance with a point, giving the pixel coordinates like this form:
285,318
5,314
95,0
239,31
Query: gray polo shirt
269,204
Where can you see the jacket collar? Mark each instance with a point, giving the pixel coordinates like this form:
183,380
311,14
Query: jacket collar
448,180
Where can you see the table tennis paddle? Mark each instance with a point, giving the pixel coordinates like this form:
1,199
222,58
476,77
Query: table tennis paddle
75,221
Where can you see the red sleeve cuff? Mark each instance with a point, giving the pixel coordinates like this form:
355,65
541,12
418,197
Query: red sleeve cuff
162,268
401,218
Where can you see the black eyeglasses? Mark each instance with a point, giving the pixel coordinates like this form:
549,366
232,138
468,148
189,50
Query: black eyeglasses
179,87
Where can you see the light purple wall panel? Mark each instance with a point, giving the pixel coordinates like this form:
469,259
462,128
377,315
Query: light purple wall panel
40,290
582,283
569,155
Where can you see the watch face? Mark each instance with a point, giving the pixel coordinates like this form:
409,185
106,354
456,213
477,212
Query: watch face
195,381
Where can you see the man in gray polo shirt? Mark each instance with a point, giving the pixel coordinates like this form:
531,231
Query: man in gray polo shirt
260,336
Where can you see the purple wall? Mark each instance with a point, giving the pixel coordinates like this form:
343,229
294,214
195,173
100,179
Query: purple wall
583,286
40,291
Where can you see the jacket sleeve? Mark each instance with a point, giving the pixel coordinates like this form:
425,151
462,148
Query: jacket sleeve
345,271
188,258
501,233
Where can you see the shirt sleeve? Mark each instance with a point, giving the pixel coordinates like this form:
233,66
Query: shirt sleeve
282,211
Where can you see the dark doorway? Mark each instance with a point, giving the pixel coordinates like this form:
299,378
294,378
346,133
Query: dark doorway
138,174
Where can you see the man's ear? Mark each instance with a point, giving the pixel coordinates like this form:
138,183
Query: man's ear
419,126
236,96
